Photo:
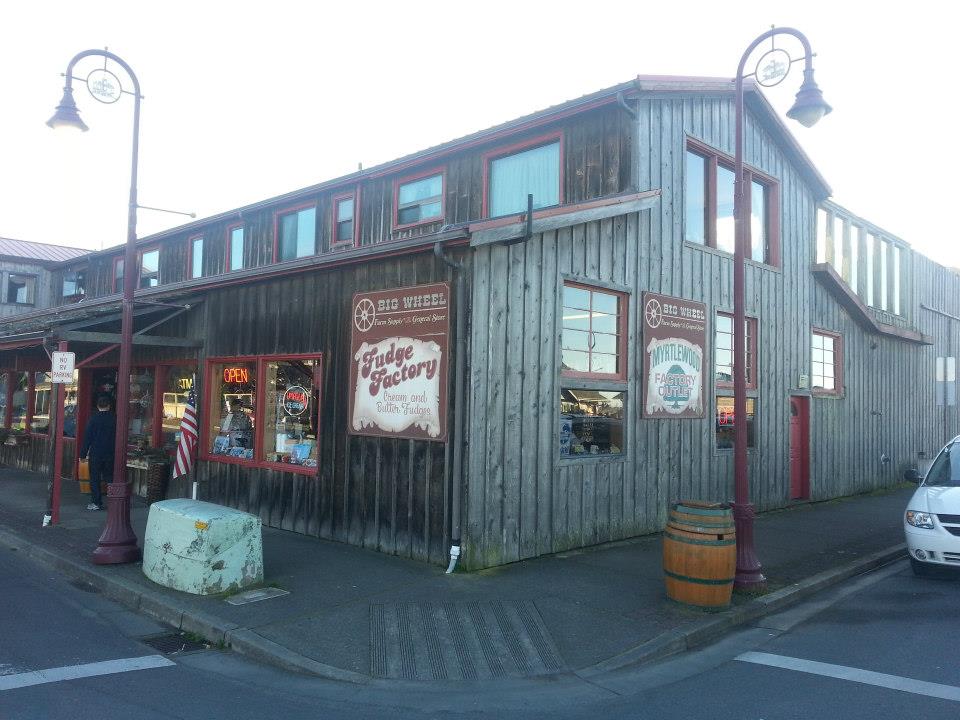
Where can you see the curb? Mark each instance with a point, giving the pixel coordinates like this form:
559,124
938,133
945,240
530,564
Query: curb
709,629
247,642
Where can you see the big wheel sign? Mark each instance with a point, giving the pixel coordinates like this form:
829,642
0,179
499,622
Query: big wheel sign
674,336
399,360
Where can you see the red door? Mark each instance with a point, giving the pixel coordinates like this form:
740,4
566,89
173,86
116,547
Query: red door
799,448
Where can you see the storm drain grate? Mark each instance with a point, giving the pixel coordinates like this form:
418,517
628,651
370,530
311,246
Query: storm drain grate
463,640
174,643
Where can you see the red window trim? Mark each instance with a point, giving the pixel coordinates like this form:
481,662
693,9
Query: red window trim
140,253
258,460
717,158
113,280
752,351
624,305
190,241
514,149
334,203
228,247
276,229
837,363
397,182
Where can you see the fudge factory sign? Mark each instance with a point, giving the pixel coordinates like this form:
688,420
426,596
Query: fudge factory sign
398,374
674,335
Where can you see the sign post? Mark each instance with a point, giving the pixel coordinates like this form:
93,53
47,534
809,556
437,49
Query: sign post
61,373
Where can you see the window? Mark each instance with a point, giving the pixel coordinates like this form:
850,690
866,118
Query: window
594,327
343,223
945,471
21,289
149,268
591,422
18,401
419,200
4,405
40,414
118,274
235,248
265,411
74,284
297,234
723,357
725,422
140,402
175,383
70,395
531,171
196,257
826,363
708,205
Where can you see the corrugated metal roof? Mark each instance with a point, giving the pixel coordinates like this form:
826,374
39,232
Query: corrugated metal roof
38,251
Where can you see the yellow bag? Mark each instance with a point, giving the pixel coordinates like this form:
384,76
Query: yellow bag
83,469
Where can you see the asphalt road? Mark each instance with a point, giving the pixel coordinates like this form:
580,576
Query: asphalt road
882,646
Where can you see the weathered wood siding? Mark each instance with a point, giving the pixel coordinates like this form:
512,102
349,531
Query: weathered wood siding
43,292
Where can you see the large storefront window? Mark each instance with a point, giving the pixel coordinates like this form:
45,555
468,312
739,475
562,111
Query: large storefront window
142,383
70,395
289,433
232,411
725,420
21,388
591,422
40,420
176,390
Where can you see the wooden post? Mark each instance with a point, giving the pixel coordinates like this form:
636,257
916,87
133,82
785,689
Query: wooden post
829,253
861,241
845,254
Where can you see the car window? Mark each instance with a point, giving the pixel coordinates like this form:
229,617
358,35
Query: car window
945,470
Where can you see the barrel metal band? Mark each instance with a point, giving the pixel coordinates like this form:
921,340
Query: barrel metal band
699,581
691,541
701,511
697,523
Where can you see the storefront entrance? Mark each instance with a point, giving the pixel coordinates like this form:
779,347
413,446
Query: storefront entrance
799,448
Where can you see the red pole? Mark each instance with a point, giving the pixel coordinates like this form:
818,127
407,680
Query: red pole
58,447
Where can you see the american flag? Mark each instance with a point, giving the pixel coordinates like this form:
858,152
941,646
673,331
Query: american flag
188,436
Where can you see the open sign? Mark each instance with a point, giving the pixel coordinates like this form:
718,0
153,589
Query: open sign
236,375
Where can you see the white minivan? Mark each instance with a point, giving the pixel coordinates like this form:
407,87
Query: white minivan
932,520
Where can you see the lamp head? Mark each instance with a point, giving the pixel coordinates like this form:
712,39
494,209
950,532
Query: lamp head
66,114
809,106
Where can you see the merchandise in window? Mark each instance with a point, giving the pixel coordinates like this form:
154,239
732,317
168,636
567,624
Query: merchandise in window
725,431
21,289
176,390
140,432
535,171
40,418
289,433
420,200
591,422
593,330
18,401
232,410
297,234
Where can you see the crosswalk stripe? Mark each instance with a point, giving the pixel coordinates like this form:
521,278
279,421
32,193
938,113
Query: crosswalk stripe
74,672
842,672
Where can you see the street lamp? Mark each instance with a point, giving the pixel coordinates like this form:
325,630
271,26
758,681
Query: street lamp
118,543
808,108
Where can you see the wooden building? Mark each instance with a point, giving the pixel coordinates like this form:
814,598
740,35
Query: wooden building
547,411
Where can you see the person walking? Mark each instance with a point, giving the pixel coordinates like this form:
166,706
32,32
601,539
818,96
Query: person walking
99,439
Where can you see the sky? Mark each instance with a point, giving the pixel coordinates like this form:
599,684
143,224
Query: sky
246,100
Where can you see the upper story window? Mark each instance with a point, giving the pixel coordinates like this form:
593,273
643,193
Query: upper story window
419,200
826,363
235,248
594,328
708,205
723,362
149,268
74,283
297,234
515,173
118,274
21,289
343,219
196,257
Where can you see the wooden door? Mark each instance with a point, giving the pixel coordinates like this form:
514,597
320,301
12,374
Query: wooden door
799,448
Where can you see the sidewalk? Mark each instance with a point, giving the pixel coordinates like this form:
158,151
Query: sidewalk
358,615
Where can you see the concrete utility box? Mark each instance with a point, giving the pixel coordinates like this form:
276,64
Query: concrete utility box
202,548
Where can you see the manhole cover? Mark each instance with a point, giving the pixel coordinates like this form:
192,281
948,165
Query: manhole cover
174,643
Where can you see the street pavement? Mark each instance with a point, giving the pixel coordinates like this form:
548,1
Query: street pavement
380,621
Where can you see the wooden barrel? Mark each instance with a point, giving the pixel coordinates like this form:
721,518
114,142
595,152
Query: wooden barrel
700,554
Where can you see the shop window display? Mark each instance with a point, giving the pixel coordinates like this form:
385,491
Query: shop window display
233,409
142,382
40,419
289,433
591,422
18,413
176,389
70,394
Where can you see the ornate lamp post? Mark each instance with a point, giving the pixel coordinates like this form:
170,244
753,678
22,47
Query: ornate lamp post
118,543
808,108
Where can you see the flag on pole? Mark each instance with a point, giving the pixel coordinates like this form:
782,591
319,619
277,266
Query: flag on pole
189,435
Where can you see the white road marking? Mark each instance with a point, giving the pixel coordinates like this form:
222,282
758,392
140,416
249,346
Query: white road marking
842,672
73,672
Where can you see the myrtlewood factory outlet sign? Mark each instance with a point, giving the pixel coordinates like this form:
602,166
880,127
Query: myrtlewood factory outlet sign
398,375
674,335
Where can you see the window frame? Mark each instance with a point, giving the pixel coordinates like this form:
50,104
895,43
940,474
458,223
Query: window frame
406,180
296,209
117,260
755,399
228,248
191,241
8,398
515,149
335,223
715,158
622,328
259,456
63,280
837,338
752,374
140,253
32,403
6,289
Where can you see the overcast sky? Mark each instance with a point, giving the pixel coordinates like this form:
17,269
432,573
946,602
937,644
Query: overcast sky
245,100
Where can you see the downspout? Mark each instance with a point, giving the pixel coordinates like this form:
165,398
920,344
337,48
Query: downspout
634,142
458,407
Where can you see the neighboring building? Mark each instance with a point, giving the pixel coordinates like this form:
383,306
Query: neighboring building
585,380
25,278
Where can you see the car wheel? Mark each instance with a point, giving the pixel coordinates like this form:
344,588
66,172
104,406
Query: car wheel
919,569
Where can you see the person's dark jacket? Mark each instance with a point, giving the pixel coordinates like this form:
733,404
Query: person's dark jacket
99,436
